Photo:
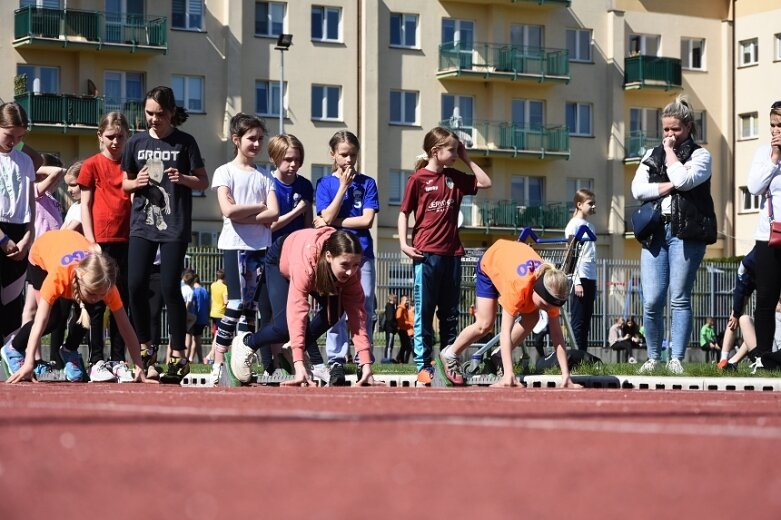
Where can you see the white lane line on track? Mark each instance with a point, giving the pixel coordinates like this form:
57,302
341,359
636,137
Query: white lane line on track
520,423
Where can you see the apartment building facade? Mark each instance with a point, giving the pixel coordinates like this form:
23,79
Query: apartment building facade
548,95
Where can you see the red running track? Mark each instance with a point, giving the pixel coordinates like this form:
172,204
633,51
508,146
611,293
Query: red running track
134,451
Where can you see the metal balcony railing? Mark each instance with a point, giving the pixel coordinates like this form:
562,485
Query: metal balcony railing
73,27
496,60
562,3
509,214
67,112
637,143
652,72
506,138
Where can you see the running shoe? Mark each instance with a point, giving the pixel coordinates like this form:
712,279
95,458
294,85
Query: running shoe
122,372
723,363
674,366
498,364
241,359
12,359
216,372
42,369
101,373
148,355
336,376
177,369
647,367
322,373
426,375
756,365
730,367
74,365
451,369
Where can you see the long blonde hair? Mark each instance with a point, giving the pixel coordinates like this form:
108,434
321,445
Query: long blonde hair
555,281
93,276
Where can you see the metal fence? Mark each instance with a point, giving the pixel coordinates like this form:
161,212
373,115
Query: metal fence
618,289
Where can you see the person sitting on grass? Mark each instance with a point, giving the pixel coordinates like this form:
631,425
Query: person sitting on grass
745,285
513,274
708,341
63,264
620,338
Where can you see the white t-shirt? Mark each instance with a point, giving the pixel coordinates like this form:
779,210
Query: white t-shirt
74,213
246,188
587,261
17,175
187,296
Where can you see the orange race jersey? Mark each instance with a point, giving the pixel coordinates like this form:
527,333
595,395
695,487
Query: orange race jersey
511,266
58,253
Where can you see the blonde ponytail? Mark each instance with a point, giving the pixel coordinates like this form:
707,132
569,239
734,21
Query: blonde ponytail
554,280
93,276
84,319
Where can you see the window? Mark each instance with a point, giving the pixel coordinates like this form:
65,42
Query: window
403,107
319,171
124,92
579,119
326,102
397,184
644,44
748,201
645,121
526,37
41,80
777,41
749,127
267,98
458,38
51,4
528,113
574,185
187,14
188,90
403,30
269,18
528,191
579,44
693,53
458,114
119,14
749,52
701,135
325,23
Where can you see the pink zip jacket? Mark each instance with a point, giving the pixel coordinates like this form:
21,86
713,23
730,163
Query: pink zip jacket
297,263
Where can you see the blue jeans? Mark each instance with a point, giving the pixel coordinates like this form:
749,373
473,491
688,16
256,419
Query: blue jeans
337,339
669,262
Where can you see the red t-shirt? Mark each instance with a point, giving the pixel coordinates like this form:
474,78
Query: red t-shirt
110,203
58,253
435,198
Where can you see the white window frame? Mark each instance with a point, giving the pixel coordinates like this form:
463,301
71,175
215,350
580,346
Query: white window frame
397,184
35,77
748,121
749,203
648,120
185,96
578,107
521,33
193,9
688,45
272,89
124,84
643,41
268,31
324,92
403,100
701,126
404,19
749,52
577,51
527,106
525,201
324,27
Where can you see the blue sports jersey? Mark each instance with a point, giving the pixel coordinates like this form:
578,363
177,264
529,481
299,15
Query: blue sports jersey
360,195
288,197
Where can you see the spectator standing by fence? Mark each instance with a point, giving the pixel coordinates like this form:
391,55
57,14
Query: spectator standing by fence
581,302
390,327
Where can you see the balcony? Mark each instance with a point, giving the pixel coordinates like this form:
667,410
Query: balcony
511,140
72,28
482,61
652,72
532,3
636,144
66,113
510,215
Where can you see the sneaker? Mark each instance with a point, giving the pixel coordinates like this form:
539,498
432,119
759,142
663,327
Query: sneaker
648,366
451,367
101,373
122,372
322,373
216,373
723,363
631,360
177,369
756,365
730,367
425,375
43,369
149,356
12,359
674,366
242,358
498,366
74,365
336,377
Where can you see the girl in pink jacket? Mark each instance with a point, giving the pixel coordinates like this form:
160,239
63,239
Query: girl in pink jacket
322,263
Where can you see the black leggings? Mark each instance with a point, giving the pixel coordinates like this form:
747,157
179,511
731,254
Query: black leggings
141,254
12,278
769,264
60,311
117,251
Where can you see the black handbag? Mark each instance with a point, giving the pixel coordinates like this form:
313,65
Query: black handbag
647,219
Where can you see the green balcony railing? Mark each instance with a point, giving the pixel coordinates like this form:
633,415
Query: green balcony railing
93,28
67,112
637,143
505,138
652,72
508,214
503,61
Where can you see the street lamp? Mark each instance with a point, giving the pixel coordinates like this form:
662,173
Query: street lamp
283,43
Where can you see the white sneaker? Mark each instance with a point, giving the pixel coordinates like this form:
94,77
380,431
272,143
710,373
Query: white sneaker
101,373
631,361
214,375
242,358
757,364
123,372
648,366
322,373
674,366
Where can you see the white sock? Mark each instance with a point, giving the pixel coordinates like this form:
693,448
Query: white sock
448,352
724,355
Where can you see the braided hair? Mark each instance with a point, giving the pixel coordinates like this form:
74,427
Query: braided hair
93,276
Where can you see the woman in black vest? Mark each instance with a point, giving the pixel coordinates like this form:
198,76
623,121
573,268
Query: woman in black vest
677,173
